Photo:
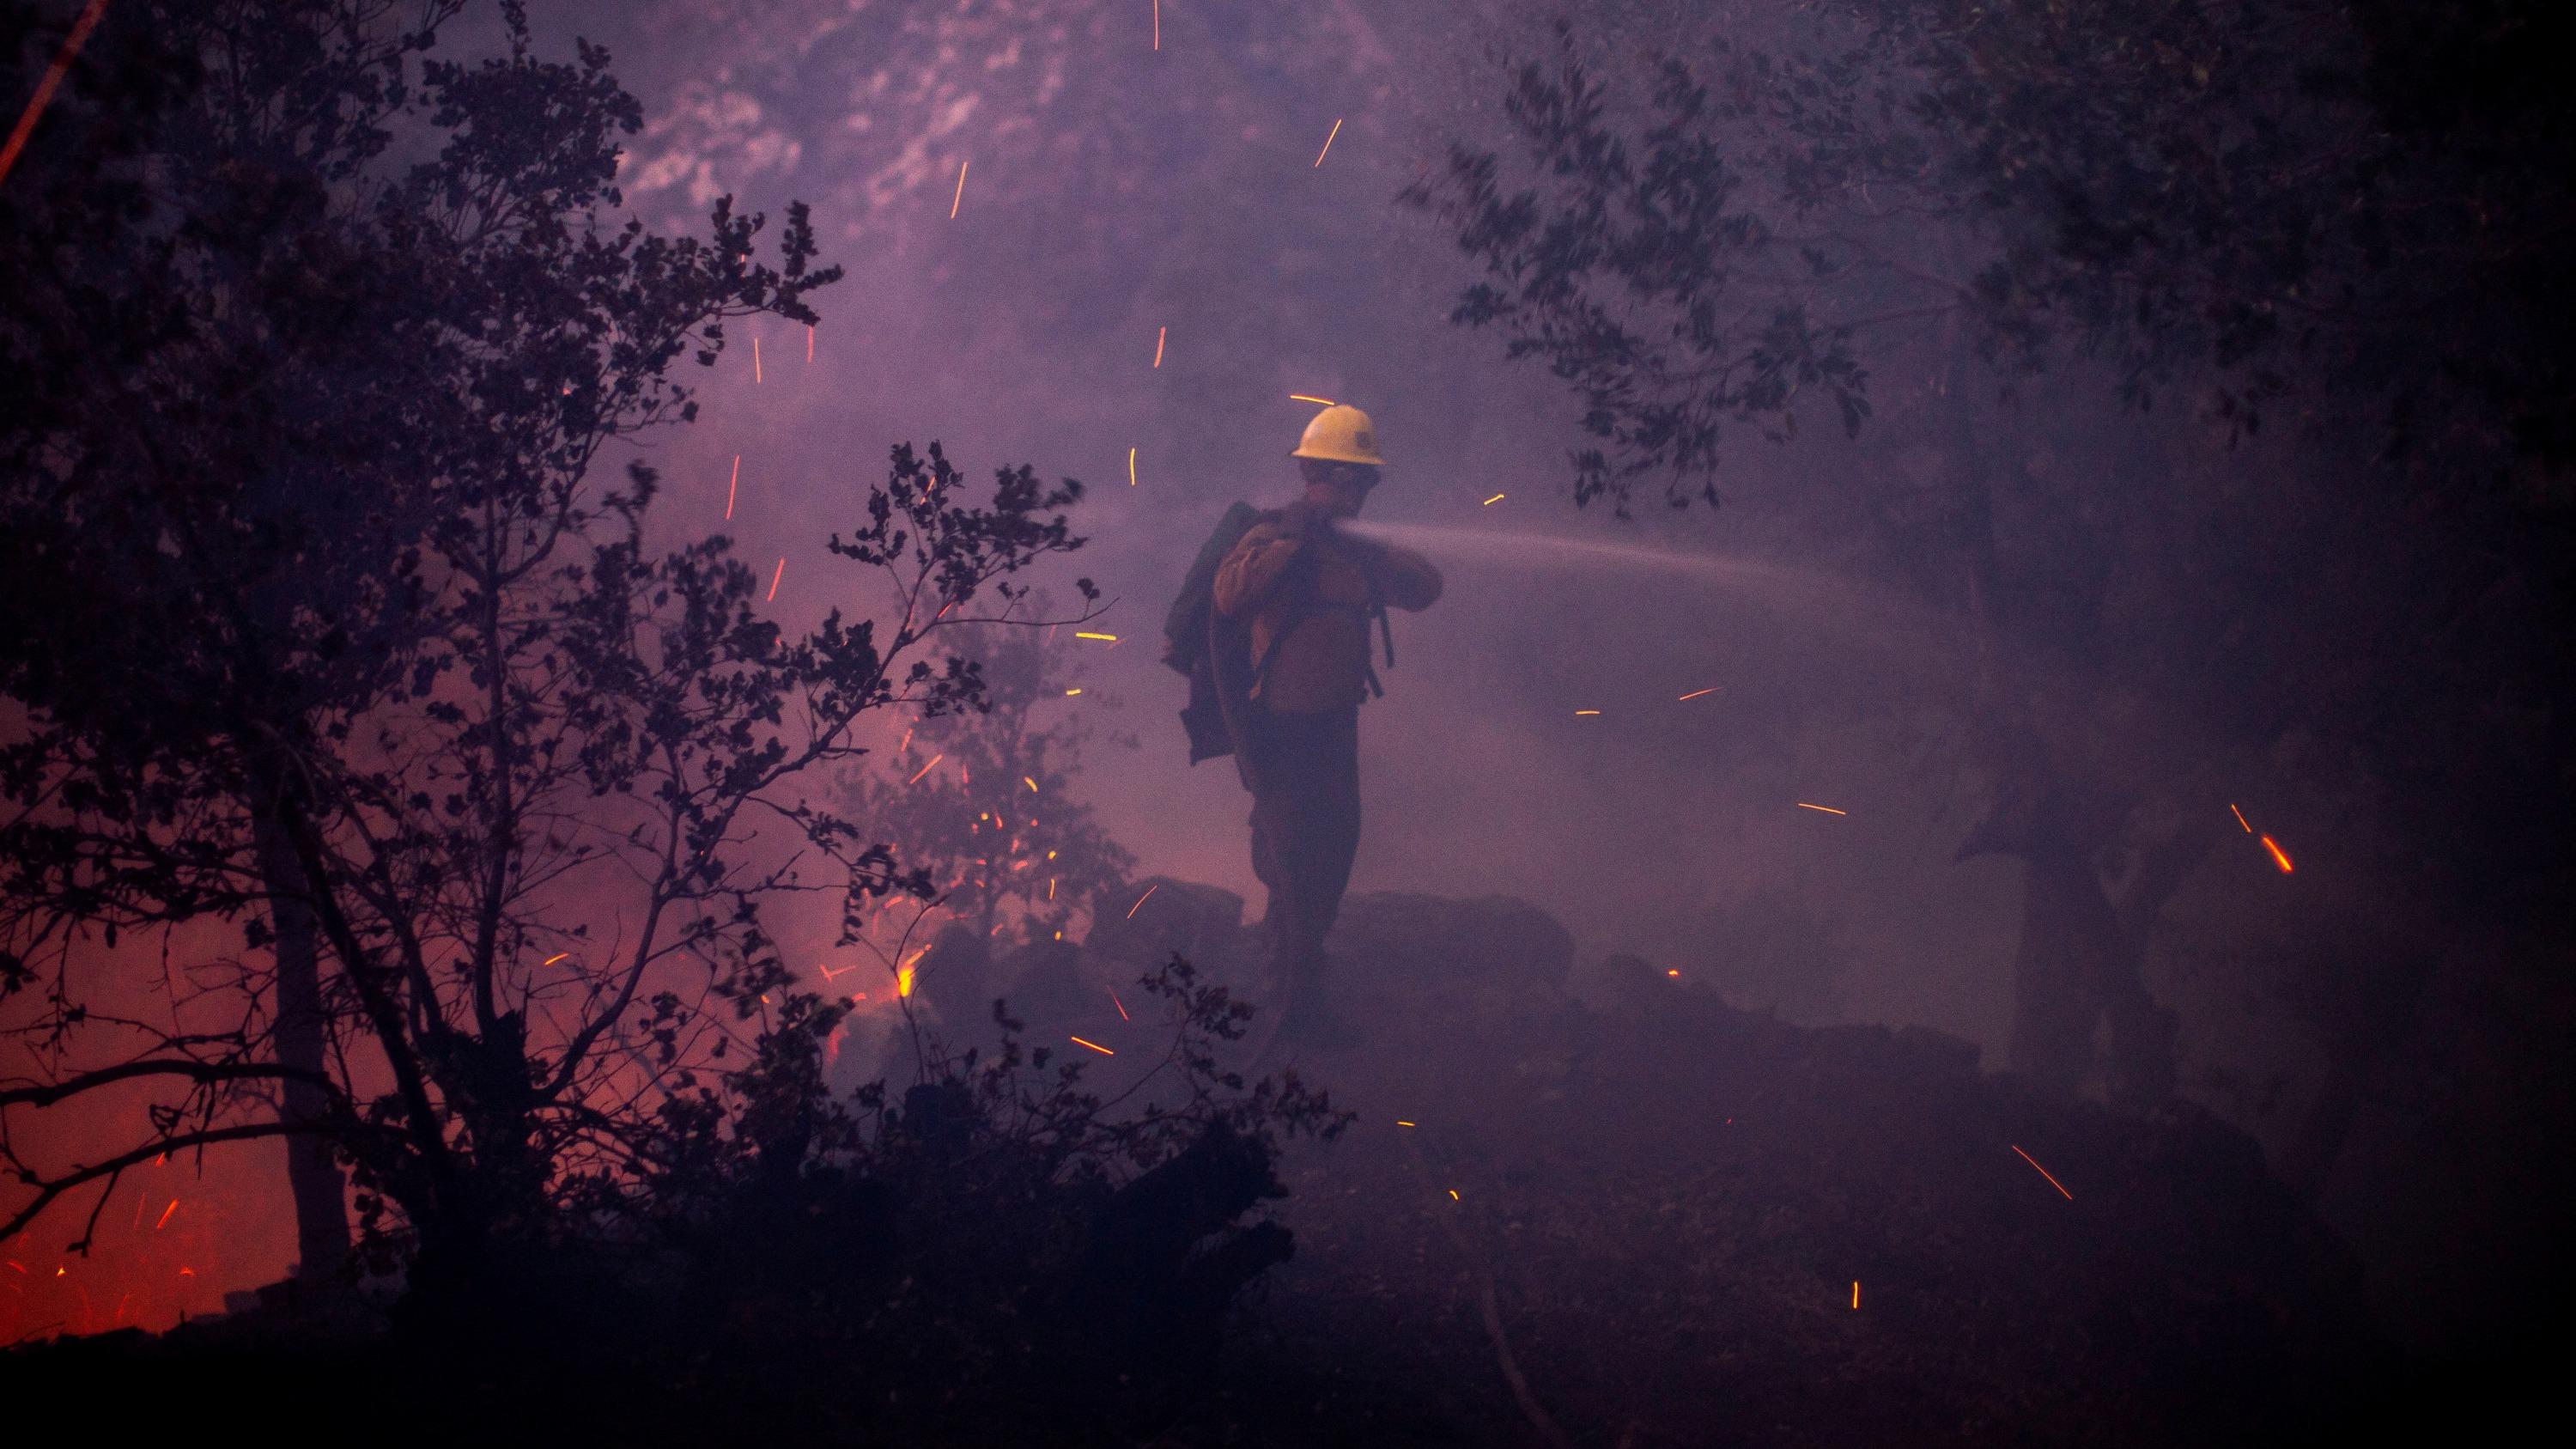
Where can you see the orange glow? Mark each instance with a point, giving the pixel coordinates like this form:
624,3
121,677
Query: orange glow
1328,141
2044,1172
924,770
1158,344
2279,857
1673,971
1490,502
1828,809
961,191
2240,816
1696,693
1095,1046
45,87
775,577
733,487
1122,1007
1104,638
1140,900
165,1215
1070,693
550,960
1301,397
187,1272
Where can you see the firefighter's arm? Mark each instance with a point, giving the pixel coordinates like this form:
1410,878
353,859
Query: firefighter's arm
1256,567
1411,581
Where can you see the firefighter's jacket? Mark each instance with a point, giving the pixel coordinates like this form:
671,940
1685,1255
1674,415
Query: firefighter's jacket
1309,591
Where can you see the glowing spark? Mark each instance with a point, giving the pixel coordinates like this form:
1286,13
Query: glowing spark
1328,142
1400,1122
903,973
1158,345
1454,1197
1673,971
1490,502
924,770
1050,887
733,487
775,577
53,78
187,1272
1031,782
550,960
1104,638
2278,857
1696,693
809,343
961,191
1122,1007
165,1215
1131,467
2240,816
1070,693
1855,1294
907,742
755,359
1158,24
1828,809
1140,900
1301,397
1095,1046
1587,711
2044,1172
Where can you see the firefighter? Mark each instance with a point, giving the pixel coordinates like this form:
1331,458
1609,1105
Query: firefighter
1306,592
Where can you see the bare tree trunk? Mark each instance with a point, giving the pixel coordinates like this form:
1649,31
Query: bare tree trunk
2080,962
312,1178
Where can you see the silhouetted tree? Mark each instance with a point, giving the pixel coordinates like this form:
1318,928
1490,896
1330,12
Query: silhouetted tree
2269,212
980,799
317,606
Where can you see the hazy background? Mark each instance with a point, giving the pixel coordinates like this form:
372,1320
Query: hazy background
1113,189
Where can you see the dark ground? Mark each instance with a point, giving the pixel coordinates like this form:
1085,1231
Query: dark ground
1660,1209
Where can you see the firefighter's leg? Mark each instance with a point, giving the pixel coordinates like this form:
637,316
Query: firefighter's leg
1319,849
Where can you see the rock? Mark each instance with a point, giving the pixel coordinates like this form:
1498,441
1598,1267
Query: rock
1493,941
1203,923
